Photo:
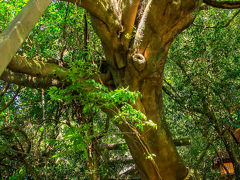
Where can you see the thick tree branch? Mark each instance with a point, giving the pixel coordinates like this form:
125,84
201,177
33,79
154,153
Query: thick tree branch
129,17
29,81
223,4
32,73
37,74
22,64
160,22
141,26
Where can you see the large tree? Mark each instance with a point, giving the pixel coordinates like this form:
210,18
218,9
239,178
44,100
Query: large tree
135,36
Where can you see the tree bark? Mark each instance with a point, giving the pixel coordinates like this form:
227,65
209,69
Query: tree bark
166,163
139,65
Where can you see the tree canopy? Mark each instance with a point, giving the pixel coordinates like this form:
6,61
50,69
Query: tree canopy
102,89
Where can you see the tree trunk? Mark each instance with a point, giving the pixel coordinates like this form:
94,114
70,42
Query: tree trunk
92,162
136,60
156,143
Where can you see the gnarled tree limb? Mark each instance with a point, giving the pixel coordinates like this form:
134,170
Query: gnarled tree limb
22,64
29,81
32,73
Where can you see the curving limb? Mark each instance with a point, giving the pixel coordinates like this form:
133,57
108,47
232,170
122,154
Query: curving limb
223,4
10,102
31,73
29,81
103,10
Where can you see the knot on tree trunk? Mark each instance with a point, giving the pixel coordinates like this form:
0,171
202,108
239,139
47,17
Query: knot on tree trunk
139,61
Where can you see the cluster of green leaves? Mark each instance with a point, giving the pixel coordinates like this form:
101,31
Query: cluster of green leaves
7,12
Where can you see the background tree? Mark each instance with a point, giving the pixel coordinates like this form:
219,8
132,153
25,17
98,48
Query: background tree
209,88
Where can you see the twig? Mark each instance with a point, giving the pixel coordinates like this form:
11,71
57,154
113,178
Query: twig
5,90
224,26
9,103
223,4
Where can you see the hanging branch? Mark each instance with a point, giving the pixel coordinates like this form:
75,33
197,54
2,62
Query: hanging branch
5,90
9,103
224,26
223,4
85,47
64,34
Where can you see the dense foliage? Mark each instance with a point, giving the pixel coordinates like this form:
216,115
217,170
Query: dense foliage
59,132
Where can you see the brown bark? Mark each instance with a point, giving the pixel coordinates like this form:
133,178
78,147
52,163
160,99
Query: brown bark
29,81
140,66
166,164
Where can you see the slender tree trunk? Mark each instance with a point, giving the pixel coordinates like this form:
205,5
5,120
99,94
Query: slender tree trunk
92,154
91,163
232,150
